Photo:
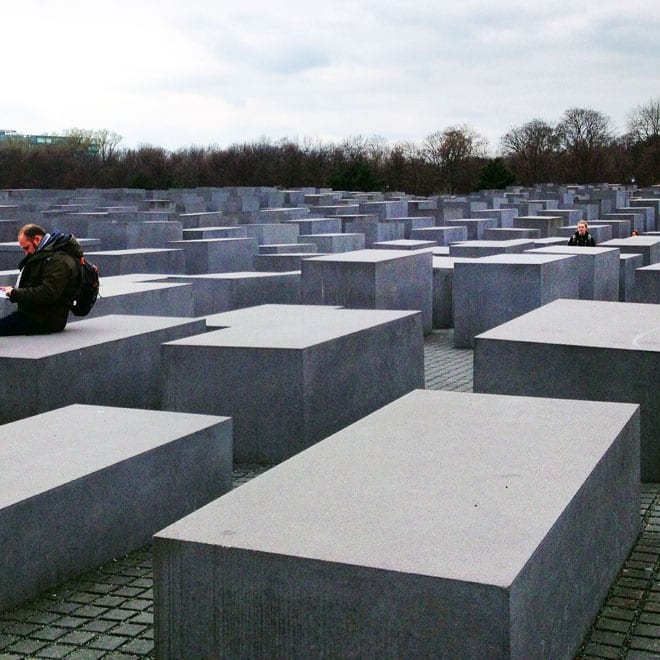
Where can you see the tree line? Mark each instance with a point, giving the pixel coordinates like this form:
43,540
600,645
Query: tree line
581,147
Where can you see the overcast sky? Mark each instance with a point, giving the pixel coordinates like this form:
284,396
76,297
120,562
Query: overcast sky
178,73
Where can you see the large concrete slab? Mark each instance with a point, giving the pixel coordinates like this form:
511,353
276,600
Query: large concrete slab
110,360
82,485
413,533
371,279
647,284
291,375
485,248
223,292
592,350
139,294
598,269
648,246
492,290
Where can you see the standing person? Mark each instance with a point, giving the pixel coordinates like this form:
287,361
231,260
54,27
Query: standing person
45,285
582,237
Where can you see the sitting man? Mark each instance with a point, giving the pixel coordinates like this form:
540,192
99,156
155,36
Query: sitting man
45,285
582,237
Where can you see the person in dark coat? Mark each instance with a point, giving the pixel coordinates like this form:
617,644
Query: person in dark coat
582,237
45,285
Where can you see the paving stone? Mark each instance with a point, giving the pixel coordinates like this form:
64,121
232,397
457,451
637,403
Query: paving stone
7,640
129,629
49,633
107,642
615,625
56,651
118,614
641,655
78,637
98,625
601,651
71,621
645,644
86,654
607,637
26,646
139,646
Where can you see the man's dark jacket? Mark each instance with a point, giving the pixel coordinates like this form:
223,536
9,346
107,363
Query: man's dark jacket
48,280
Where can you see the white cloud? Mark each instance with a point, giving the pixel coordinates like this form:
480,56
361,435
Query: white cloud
174,74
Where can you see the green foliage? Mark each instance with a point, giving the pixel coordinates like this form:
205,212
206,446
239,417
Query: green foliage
357,175
495,175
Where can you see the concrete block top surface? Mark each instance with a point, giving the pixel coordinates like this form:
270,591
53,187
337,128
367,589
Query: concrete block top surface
418,487
448,262
90,332
369,256
238,275
496,243
526,259
589,323
53,448
642,241
288,326
573,249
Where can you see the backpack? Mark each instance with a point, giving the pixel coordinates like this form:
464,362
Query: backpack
87,288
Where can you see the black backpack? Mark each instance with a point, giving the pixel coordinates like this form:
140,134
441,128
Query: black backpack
87,288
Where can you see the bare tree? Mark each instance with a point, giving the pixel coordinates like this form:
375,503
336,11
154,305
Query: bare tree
643,122
584,136
452,151
531,150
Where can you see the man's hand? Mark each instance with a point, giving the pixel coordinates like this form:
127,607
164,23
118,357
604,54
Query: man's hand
7,290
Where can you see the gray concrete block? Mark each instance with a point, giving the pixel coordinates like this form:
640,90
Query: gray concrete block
598,270
222,292
570,216
509,233
485,248
333,243
267,234
413,533
289,248
216,255
637,219
492,290
124,262
291,375
648,246
110,360
128,294
375,231
647,284
504,217
404,244
441,235
475,226
317,225
371,279
201,233
280,263
591,350
548,226
203,219
628,265
620,228
101,482
443,298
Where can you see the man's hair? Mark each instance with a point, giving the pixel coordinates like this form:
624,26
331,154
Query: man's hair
31,231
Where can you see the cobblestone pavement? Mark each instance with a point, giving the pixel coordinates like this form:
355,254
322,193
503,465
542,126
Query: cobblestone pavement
108,612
